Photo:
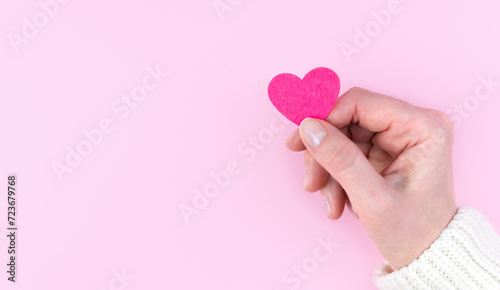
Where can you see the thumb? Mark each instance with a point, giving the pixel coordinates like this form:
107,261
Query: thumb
341,158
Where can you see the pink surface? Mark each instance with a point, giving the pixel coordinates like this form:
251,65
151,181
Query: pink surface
311,97
164,99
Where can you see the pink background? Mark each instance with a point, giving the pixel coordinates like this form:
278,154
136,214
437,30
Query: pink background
119,209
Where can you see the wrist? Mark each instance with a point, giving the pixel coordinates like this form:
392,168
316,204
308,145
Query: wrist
428,237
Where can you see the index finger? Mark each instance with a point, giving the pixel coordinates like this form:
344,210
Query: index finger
371,111
391,118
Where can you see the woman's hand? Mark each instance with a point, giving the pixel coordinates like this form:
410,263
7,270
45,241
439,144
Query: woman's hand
392,161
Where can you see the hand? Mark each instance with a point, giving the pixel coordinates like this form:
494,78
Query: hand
392,161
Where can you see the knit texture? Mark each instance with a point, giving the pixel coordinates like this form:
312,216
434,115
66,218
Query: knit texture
465,256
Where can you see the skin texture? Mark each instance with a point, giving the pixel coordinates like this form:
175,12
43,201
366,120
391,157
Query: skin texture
392,161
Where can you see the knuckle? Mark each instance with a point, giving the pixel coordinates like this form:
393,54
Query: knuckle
354,94
341,157
442,119
447,122
356,90
443,126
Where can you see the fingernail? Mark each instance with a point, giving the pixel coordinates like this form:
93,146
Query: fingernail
328,207
313,132
306,178
290,138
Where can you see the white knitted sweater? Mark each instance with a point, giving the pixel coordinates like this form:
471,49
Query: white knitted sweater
465,256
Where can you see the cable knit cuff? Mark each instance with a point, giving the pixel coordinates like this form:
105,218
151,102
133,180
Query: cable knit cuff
465,256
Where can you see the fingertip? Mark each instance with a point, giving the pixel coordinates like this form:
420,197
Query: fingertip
294,143
315,176
334,199
292,136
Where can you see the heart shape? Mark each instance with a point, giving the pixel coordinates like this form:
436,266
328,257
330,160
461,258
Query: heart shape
312,97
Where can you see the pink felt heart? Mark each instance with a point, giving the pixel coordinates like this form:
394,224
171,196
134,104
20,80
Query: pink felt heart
312,97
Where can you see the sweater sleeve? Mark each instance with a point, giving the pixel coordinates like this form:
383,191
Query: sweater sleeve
465,256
